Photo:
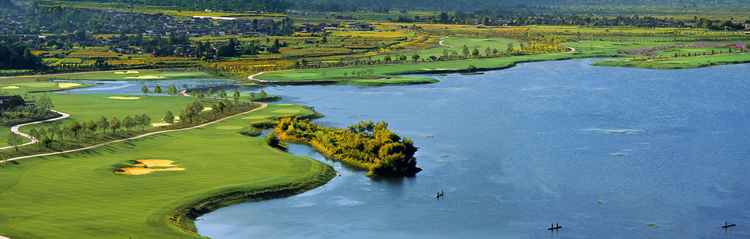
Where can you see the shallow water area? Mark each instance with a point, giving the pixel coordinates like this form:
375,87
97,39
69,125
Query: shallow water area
134,87
605,152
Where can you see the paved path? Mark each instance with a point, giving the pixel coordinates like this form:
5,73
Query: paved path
443,39
33,140
263,105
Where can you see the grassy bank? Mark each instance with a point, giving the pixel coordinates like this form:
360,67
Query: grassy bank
678,62
77,195
392,81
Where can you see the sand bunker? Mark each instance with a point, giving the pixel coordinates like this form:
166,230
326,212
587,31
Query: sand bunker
176,117
67,85
207,108
229,127
286,111
142,171
144,77
155,163
150,163
160,124
126,72
11,87
440,69
284,104
123,98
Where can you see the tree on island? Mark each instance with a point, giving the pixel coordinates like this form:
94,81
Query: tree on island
172,90
144,89
263,94
157,89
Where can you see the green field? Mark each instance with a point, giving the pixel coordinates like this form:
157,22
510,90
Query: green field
23,87
394,81
120,75
679,62
457,43
77,195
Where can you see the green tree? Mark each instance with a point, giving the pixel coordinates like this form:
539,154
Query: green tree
252,96
103,124
486,20
114,124
475,52
75,127
201,96
221,107
172,90
236,95
210,92
92,127
144,89
14,140
157,89
494,51
46,141
222,94
487,51
465,51
145,122
263,94
128,123
510,47
193,93
415,57
169,118
386,58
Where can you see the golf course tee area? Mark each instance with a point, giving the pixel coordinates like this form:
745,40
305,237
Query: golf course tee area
82,195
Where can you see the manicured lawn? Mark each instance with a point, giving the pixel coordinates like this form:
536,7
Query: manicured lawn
394,81
23,87
679,62
479,43
76,195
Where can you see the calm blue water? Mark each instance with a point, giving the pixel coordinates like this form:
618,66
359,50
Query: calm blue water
602,151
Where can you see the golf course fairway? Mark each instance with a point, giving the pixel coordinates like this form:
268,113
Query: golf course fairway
78,195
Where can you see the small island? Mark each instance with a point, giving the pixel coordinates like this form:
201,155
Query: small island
366,145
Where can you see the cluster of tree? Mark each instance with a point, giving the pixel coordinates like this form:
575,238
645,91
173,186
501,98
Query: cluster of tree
172,90
18,56
196,113
17,111
725,25
87,130
505,17
366,144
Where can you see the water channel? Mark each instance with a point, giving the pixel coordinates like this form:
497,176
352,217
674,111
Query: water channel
605,152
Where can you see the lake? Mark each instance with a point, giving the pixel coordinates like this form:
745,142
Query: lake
605,152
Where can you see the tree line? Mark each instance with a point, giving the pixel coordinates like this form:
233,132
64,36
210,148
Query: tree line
366,144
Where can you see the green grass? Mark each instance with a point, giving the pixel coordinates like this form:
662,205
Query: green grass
76,195
458,42
680,62
393,81
112,75
23,87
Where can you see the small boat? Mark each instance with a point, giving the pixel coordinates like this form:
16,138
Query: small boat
553,227
337,174
727,225
430,136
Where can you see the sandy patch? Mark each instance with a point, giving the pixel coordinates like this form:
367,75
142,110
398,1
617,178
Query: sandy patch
207,108
256,117
286,111
160,124
439,69
123,98
155,163
144,77
11,87
176,117
142,171
284,104
67,85
229,127
126,72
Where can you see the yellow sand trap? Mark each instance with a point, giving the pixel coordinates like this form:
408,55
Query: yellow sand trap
123,98
142,171
11,87
126,72
207,108
67,85
177,117
150,163
144,77
155,163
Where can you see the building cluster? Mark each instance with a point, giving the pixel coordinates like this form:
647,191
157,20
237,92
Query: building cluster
324,27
